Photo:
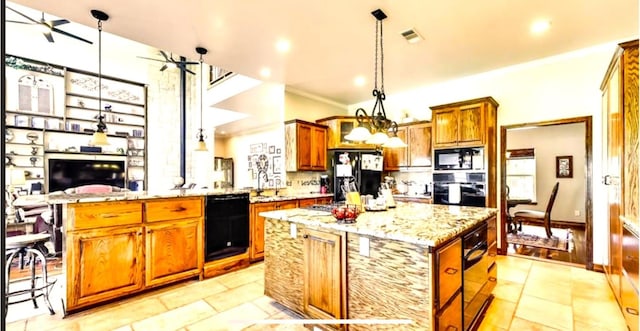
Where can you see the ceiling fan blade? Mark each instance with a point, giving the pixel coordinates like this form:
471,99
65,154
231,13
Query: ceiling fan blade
11,21
164,67
71,35
148,58
23,15
58,22
48,35
165,56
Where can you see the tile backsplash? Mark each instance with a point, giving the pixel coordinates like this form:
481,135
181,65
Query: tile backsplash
415,181
303,182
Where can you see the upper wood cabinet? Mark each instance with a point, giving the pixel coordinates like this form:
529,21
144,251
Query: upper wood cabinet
305,146
417,136
337,128
466,123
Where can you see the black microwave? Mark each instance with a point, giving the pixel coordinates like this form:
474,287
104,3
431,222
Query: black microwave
459,159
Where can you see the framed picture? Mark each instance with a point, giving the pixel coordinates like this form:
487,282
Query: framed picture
564,166
272,149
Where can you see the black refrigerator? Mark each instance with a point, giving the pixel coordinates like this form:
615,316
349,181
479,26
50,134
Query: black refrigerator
359,169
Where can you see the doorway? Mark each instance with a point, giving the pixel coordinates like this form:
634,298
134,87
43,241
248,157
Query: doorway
578,224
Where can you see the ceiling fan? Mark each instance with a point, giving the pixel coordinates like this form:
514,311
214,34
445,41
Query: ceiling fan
48,26
170,62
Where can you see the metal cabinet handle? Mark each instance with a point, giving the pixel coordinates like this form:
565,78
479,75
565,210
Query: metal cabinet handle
607,180
631,311
179,209
109,215
451,271
305,236
451,328
492,279
149,231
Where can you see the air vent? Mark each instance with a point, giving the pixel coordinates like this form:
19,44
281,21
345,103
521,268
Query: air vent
411,35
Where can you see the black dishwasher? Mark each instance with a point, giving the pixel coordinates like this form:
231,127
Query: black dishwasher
226,225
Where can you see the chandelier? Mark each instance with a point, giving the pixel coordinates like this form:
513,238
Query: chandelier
376,128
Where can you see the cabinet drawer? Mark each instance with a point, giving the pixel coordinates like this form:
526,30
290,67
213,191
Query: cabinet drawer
629,296
162,210
450,319
449,271
97,215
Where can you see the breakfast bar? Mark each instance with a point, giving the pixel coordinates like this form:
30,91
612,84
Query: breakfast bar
406,265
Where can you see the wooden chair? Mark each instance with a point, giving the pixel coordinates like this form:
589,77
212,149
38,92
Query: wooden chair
536,216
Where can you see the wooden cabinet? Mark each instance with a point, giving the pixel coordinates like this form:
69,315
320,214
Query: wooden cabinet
324,264
103,264
173,250
256,227
314,201
449,318
305,146
466,123
417,136
620,169
337,128
448,272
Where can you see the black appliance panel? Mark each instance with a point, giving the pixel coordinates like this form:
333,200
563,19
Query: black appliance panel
472,188
476,274
366,181
458,159
226,225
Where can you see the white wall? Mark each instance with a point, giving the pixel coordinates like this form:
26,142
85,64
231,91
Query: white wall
549,142
303,107
558,87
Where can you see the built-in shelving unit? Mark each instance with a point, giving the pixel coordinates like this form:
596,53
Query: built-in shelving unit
54,109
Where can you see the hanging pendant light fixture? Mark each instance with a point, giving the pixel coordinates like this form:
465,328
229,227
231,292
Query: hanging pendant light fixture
202,145
375,128
100,136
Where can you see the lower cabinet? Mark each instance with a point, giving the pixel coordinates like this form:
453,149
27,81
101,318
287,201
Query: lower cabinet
104,264
256,224
324,262
448,272
172,250
449,319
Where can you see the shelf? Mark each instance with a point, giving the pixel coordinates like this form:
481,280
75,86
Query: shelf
106,112
22,155
33,113
18,127
104,99
84,133
49,151
106,122
24,144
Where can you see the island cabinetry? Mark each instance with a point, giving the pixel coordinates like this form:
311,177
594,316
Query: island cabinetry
174,244
324,274
305,146
337,128
256,226
448,299
105,252
464,123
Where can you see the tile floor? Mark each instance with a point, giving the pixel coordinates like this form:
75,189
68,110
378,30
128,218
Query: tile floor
530,295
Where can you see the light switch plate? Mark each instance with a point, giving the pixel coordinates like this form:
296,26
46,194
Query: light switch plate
293,230
364,246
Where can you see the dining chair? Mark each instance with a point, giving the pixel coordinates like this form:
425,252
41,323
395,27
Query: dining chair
536,216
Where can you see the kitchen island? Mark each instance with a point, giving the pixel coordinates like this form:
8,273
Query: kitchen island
402,264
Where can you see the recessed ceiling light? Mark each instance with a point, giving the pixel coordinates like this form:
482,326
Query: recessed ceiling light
540,26
359,81
283,46
265,72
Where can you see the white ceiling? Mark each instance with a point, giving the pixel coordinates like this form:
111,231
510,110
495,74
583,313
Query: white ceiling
332,41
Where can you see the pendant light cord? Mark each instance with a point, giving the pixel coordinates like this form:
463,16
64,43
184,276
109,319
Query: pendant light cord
100,75
201,93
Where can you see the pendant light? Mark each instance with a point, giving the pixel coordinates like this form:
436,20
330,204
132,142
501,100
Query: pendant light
202,145
99,136
375,128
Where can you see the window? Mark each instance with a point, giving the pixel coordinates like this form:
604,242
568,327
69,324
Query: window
521,174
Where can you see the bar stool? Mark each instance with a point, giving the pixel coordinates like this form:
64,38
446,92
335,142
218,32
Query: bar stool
26,245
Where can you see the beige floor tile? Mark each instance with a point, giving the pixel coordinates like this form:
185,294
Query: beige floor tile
176,318
545,312
268,305
508,290
236,318
514,275
514,262
603,314
122,314
235,296
16,325
244,276
499,314
548,289
191,293
550,272
520,324
124,328
489,327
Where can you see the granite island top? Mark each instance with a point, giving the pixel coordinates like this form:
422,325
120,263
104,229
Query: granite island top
64,198
417,223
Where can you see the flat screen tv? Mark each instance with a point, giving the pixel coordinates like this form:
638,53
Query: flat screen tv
67,173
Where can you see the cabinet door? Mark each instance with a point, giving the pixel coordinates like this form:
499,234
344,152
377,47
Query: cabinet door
492,241
318,148
450,319
445,127
322,274
174,250
306,202
257,229
303,140
104,264
471,124
324,200
394,158
420,147
449,271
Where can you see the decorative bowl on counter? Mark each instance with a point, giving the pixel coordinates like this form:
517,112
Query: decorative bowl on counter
346,214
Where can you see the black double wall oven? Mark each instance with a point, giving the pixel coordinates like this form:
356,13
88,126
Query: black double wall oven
460,188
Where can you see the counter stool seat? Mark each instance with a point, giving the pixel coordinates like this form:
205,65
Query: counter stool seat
27,245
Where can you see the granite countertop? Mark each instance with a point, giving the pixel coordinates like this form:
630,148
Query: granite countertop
417,223
272,198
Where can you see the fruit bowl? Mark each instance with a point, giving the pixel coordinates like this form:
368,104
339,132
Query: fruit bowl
346,214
